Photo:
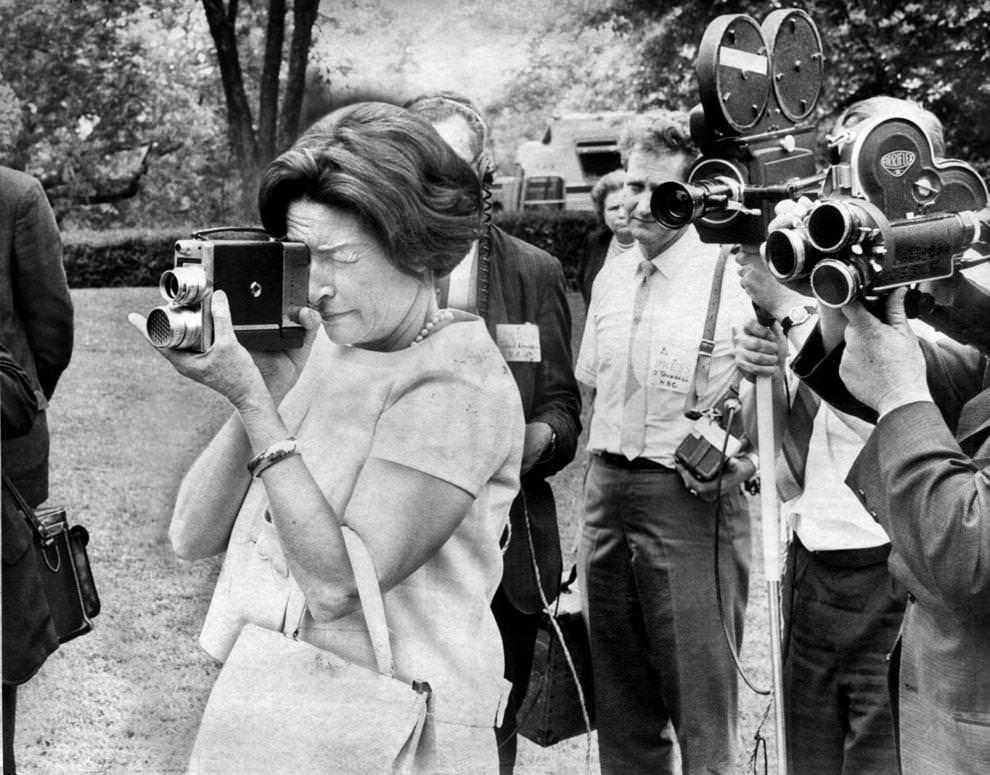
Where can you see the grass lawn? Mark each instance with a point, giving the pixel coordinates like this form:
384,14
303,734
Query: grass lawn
127,697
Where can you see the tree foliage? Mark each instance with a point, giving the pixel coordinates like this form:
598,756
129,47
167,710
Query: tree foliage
108,104
67,68
160,112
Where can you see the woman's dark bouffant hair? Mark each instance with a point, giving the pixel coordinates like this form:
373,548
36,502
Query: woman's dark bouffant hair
390,169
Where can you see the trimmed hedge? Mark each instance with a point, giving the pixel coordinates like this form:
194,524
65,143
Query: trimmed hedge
122,258
137,257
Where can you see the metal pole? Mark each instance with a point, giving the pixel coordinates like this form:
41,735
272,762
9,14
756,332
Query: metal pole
770,515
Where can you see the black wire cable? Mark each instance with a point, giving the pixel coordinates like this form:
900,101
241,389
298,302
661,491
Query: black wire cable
729,640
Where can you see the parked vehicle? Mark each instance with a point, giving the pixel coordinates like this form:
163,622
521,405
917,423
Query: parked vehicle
558,171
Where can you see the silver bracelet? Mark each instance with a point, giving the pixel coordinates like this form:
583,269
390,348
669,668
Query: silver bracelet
269,456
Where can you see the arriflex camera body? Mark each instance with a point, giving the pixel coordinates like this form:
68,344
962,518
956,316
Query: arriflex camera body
890,214
266,282
759,87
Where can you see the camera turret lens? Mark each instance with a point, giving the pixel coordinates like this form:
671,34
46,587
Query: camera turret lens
183,285
787,254
835,283
175,328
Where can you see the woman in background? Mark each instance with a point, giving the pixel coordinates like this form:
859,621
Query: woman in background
612,235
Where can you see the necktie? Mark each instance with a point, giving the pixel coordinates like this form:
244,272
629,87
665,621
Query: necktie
797,436
633,434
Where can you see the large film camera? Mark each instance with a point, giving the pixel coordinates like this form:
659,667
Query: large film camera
759,87
266,282
892,214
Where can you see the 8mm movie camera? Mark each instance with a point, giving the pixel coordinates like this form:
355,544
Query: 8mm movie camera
759,87
266,282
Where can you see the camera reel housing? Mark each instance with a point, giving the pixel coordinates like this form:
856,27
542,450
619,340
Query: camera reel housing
266,282
891,214
759,87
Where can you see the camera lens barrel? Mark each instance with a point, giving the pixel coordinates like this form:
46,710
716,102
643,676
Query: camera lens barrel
675,204
833,226
175,329
835,283
787,254
183,284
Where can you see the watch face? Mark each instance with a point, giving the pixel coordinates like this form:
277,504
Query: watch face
798,315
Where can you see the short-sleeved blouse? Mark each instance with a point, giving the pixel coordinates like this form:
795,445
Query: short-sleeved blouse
448,407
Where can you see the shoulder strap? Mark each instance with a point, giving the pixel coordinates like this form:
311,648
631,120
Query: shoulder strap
700,382
26,510
370,595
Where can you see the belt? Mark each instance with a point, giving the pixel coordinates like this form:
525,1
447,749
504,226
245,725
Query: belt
636,464
848,558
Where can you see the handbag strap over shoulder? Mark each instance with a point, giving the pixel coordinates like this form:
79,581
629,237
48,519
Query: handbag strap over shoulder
370,595
28,512
699,384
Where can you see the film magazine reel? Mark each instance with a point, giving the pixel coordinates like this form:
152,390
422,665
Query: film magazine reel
759,87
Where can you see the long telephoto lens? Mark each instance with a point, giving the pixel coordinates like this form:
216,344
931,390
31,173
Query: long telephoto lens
835,283
676,204
183,284
175,329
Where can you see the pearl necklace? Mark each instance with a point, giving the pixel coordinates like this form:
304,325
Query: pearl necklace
440,316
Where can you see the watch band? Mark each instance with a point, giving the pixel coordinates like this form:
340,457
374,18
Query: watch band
796,317
271,455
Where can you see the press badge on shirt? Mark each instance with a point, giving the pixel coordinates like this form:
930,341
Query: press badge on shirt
518,342
670,370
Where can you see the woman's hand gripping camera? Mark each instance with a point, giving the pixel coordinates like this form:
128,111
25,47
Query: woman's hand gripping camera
228,368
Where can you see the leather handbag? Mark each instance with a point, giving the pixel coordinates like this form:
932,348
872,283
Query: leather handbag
63,565
281,705
559,702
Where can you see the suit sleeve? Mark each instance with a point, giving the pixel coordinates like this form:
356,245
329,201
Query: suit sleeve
558,400
954,375
18,402
820,371
40,287
934,502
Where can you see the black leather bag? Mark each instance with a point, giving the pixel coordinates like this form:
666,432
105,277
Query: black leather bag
559,702
63,565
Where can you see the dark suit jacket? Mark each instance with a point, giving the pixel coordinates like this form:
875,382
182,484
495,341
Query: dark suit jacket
592,259
28,631
520,283
35,315
925,475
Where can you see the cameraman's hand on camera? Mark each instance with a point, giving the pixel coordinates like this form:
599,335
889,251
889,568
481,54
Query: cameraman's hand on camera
883,365
737,471
766,291
759,351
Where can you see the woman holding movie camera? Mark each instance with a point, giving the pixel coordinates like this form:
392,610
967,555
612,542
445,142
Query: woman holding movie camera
396,420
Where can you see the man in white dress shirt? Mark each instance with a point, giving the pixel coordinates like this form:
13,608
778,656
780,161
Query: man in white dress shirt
660,658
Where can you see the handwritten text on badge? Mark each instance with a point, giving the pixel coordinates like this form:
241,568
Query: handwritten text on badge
518,342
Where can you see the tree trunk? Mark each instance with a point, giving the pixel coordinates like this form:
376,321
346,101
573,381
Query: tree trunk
276,130
240,131
304,17
268,95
